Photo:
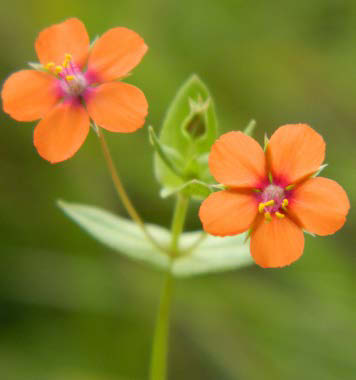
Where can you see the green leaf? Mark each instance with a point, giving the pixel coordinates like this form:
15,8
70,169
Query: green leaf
190,128
119,233
213,254
165,153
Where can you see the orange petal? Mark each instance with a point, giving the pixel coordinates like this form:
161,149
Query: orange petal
277,243
69,37
237,160
228,212
116,53
320,205
294,152
62,132
28,95
117,107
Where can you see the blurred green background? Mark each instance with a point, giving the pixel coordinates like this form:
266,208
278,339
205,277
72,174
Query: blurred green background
70,309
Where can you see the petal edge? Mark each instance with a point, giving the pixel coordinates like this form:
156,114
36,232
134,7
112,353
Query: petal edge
69,36
237,160
277,243
62,132
227,213
115,54
320,205
117,107
28,95
294,152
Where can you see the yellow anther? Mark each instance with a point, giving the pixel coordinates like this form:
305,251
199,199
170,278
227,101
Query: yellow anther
268,216
67,59
58,69
261,207
279,215
49,65
285,203
269,203
69,77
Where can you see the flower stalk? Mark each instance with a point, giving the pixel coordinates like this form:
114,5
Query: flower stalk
122,192
159,356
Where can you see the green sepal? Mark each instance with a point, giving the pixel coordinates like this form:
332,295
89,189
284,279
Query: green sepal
36,66
321,168
250,128
266,141
92,43
309,233
196,189
168,155
94,127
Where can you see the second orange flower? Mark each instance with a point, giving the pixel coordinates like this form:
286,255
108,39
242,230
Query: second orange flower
276,195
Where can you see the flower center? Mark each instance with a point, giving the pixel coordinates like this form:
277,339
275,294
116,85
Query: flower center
273,200
71,79
73,82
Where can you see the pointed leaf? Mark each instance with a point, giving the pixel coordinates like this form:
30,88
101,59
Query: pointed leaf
190,127
119,233
214,254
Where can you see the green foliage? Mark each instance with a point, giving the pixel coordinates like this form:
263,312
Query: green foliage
196,189
214,254
119,233
200,253
188,131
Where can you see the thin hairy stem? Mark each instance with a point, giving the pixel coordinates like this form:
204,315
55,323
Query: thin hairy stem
122,192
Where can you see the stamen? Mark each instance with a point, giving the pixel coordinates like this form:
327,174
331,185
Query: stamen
67,59
290,187
268,216
269,203
49,65
285,204
58,69
270,177
279,215
261,207
69,77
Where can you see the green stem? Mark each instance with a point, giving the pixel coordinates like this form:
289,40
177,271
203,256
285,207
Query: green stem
119,187
160,340
161,335
180,212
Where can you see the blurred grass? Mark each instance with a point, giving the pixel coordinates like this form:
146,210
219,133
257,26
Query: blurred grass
70,309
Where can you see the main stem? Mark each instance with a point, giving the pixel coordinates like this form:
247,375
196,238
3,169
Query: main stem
121,190
161,335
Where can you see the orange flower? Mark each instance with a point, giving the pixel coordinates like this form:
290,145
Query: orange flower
274,195
77,82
